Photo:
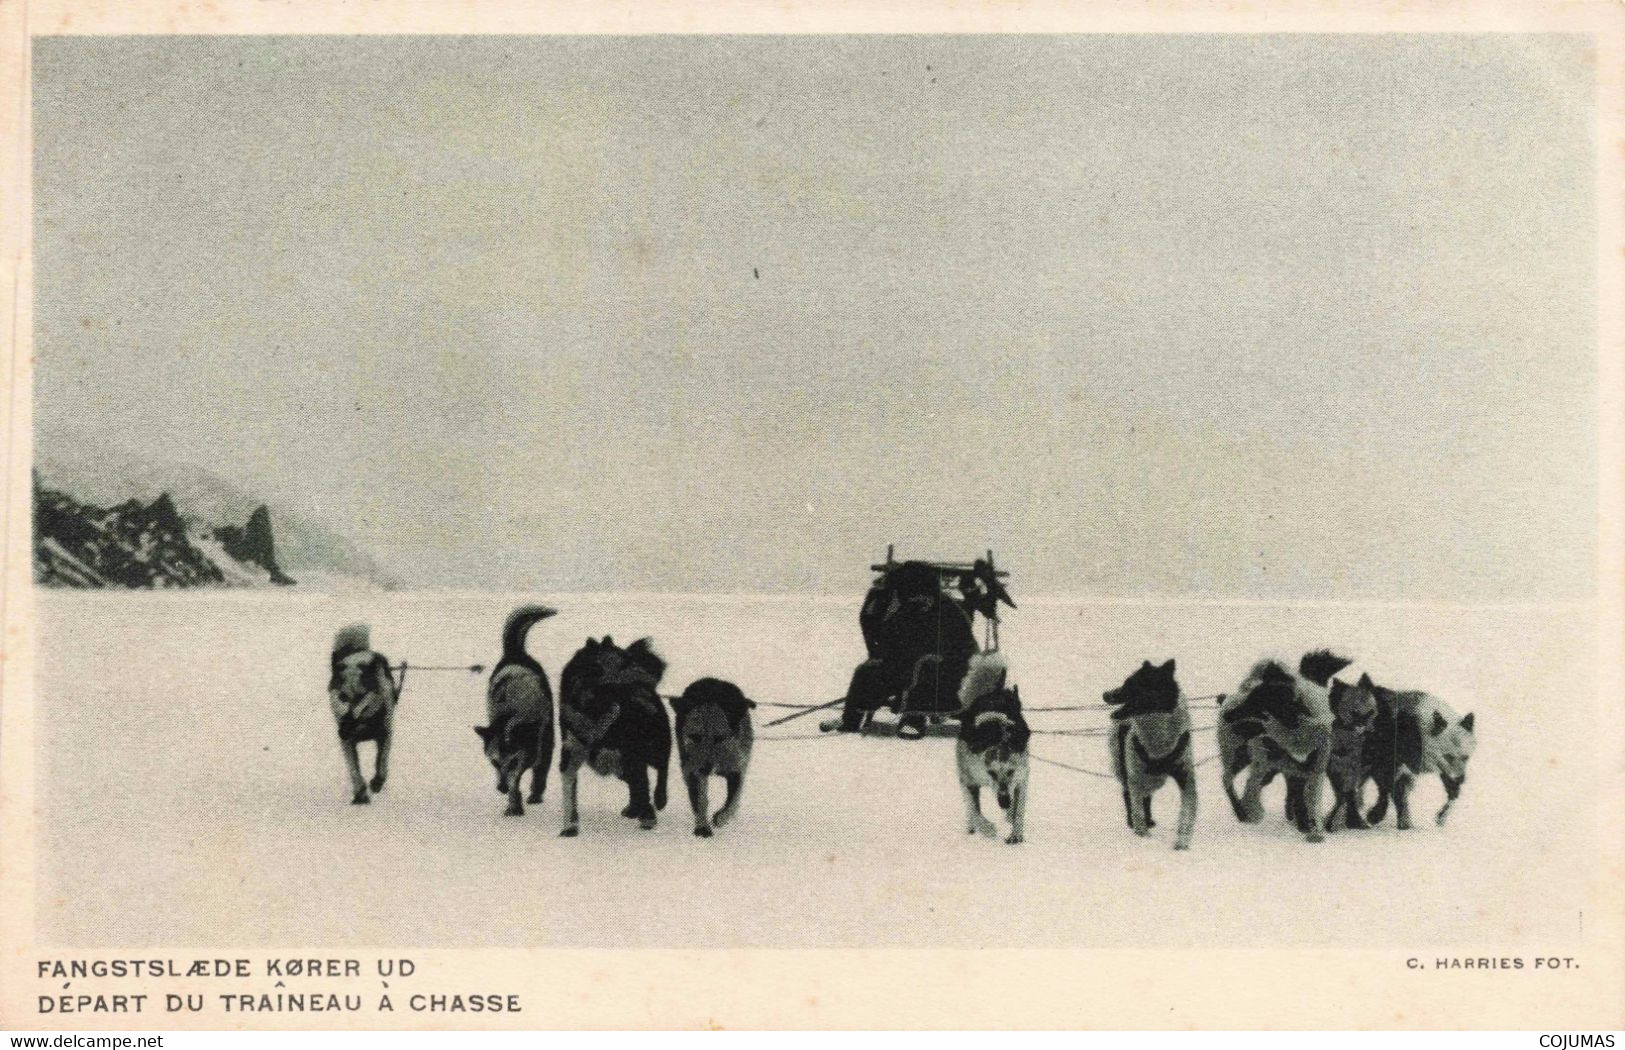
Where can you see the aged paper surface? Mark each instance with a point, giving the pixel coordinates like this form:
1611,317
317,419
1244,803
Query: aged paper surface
1233,333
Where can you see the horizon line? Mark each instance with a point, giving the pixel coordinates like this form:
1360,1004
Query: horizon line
1041,601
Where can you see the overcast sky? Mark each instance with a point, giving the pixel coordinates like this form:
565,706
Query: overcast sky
1263,316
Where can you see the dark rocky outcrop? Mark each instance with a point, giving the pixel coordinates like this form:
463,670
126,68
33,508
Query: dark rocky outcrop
130,545
254,544
140,545
69,459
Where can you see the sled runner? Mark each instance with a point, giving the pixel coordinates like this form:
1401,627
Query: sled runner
919,624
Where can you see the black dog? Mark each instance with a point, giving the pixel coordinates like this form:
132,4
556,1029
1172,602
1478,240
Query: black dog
1276,722
614,722
519,706
1415,733
714,738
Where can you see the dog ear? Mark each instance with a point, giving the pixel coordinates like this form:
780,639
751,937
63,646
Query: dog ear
1439,724
1467,722
483,731
1167,668
1145,665
1339,687
1366,682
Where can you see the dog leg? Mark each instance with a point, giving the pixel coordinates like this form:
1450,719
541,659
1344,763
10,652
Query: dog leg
1339,807
637,780
697,800
1145,804
1309,801
538,770
1137,813
1293,809
1252,807
1452,789
516,806
1402,801
730,805
662,772
572,819
1298,810
1352,818
978,824
358,785
1018,815
1231,767
380,764
1185,777
1379,810
1119,750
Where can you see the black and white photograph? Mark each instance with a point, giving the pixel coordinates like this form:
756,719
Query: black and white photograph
930,494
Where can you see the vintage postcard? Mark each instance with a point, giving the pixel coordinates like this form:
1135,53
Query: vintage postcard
777,515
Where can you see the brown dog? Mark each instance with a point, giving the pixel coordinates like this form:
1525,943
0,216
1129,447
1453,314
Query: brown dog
361,694
714,737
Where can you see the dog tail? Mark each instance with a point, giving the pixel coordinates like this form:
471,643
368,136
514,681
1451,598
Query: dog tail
519,623
1319,665
353,638
985,674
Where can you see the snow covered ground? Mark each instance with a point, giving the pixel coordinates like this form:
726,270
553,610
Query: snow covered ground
191,791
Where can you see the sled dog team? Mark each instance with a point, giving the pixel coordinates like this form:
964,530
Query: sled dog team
611,720
1308,726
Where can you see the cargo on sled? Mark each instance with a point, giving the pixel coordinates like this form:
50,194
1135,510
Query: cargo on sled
919,624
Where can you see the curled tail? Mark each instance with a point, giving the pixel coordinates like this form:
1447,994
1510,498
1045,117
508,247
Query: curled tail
519,623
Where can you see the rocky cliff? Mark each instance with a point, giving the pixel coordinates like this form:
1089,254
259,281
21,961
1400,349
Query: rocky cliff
254,544
307,546
143,545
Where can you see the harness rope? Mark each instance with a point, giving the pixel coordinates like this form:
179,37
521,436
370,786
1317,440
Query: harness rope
762,703
470,669
1103,731
1209,700
1105,776
1075,769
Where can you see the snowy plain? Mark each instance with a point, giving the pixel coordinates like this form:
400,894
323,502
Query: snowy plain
191,791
